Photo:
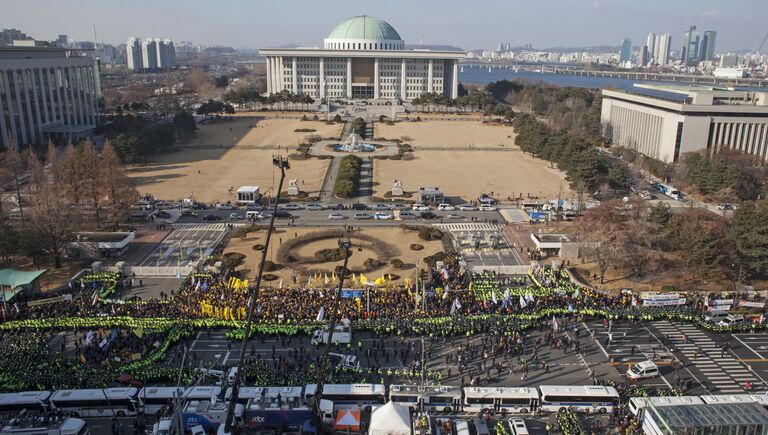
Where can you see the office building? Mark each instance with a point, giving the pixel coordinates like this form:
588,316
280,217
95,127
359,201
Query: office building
707,51
687,119
133,54
150,54
166,54
625,54
662,52
44,93
650,42
643,58
691,47
363,58
729,60
7,36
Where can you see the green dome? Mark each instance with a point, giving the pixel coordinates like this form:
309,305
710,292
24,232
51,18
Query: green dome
365,27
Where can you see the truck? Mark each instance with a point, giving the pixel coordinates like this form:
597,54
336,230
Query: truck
209,414
282,407
669,190
342,333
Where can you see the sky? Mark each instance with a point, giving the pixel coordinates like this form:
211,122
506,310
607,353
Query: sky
467,24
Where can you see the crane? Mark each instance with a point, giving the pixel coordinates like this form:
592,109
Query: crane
762,43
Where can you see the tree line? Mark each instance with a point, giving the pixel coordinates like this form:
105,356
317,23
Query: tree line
71,189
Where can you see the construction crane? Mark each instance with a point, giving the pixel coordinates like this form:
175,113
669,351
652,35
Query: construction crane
762,43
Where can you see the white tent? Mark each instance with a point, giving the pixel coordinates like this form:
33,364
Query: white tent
390,419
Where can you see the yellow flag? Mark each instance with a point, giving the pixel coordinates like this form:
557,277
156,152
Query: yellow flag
363,279
326,280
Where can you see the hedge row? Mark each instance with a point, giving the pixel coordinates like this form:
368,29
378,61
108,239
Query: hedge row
348,179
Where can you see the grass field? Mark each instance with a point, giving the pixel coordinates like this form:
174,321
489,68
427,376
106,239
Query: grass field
211,169
449,134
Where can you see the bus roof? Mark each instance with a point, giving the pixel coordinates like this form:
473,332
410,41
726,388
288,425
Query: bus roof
347,389
24,397
430,390
667,401
500,391
252,392
109,393
736,398
584,390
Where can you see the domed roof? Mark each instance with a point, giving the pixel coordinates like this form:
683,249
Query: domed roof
365,27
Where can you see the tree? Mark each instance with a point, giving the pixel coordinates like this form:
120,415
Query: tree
605,234
660,214
90,178
50,224
184,125
14,163
119,191
749,233
10,242
619,177
127,147
701,238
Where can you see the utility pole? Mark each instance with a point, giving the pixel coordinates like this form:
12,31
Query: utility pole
282,164
344,243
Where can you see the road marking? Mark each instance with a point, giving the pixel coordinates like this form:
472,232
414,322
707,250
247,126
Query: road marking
747,346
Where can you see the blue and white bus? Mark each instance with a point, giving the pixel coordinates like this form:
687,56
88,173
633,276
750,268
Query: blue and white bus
13,403
501,399
436,399
106,402
586,398
350,396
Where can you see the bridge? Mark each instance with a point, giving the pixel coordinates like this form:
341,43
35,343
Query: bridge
653,76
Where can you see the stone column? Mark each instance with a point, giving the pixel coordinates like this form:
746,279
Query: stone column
40,72
455,80
321,81
10,107
20,110
51,94
269,75
402,79
430,86
26,77
295,76
37,109
349,77
376,94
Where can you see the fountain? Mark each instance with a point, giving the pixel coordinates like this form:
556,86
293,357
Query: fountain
354,144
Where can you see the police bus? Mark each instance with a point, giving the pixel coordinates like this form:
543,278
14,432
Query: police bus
287,395
155,398
761,399
501,399
350,396
106,402
587,398
638,404
445,398
67,426
13,403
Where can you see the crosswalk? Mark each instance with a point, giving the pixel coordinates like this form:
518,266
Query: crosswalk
721,370
207,227
469,227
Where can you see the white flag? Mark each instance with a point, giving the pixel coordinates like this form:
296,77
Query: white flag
493,297
554,323
445,294
321,314
455,306
88,338
634,301
522,302
506,296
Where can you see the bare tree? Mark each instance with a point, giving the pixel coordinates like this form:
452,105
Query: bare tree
89,177
119,192
50,223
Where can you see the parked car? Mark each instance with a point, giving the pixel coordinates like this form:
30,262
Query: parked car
382,216
487,207
292,206
336,207
732,320
254,207
643,370
188,213
485,199
467,207
281,214
379,207
315,206
408,215
446,207
358,206
715,316
235,216
164,205
199,206
398,206
454,216
226,206
336,216
362,216
162,214
211,217
420,207
428,215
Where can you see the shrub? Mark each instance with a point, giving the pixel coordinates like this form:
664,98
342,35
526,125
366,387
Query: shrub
430,233
433,259
396,263
348,179
270,266
232,260
417,247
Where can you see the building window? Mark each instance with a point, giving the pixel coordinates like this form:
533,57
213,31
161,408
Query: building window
678,140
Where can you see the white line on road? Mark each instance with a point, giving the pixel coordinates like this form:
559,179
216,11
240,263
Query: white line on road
748,347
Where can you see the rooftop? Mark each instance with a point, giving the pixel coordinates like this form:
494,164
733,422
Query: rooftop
709,416
365,27
695,95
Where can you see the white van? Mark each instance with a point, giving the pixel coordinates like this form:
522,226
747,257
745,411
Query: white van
518,427
732,320
254,215
643,370
715,316
462,427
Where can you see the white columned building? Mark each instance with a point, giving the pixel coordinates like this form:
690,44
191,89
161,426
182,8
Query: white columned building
44,93
363,58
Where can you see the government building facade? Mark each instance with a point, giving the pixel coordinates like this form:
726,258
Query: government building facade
364,58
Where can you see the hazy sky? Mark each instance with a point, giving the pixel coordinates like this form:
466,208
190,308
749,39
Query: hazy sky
467,24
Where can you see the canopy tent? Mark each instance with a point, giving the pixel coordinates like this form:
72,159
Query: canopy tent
14,281
390,419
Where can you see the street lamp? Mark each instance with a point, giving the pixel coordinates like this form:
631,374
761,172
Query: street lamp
253,293
345,243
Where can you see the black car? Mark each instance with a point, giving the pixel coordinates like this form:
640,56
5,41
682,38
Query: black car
199,206
282,214
336,207
161,214
359,206
211,217
428,215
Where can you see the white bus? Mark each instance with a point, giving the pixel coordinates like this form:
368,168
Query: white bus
501,399
106,402
350,396
445,398
761,399
153,399
13,403
587,398
68,426
287,395
637,404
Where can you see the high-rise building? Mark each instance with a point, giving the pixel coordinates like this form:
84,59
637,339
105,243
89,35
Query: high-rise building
651,44
7,36
662,53
149,54
133,54
166,54
691,47
626,50
657,50
62,41
44,94
729,60
644,57
707,50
